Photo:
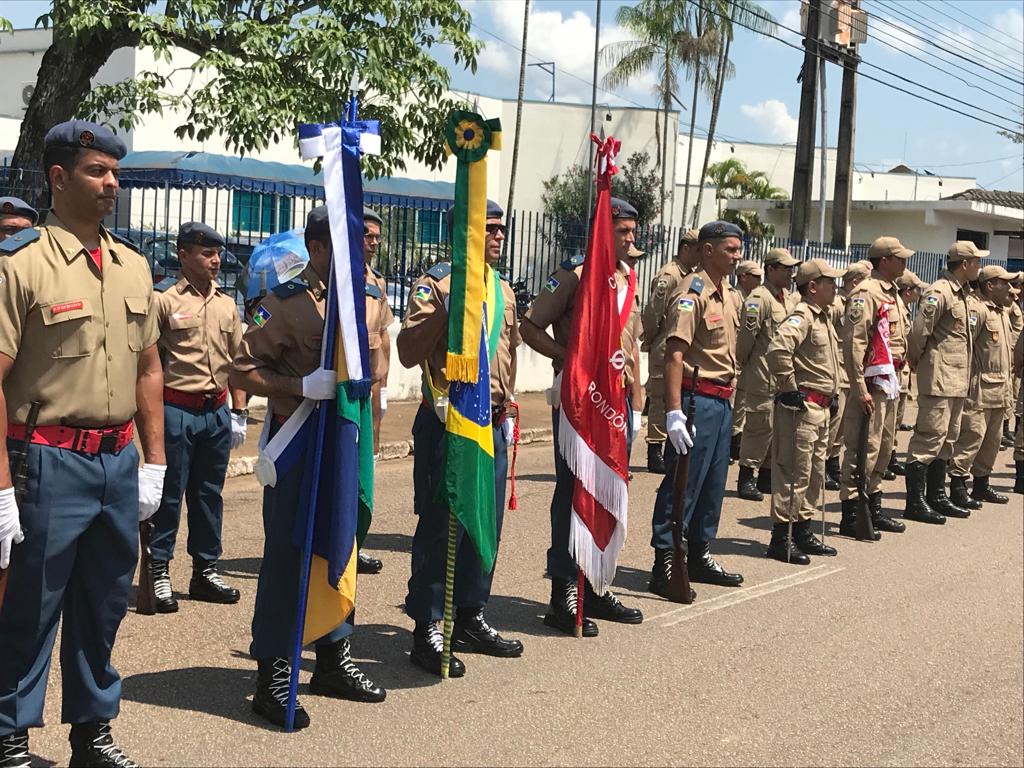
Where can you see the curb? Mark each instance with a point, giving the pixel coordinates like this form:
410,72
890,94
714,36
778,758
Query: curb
399,449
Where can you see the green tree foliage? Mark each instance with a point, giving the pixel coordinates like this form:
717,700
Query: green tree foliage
733,181
253,69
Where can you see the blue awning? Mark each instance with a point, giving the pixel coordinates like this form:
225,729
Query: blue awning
184,170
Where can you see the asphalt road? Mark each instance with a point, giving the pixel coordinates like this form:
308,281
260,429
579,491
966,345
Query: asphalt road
908,651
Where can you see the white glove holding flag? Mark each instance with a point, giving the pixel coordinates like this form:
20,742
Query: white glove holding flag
239,424
383,400
678,432
508,430
637,419
321,384
10,526
151,489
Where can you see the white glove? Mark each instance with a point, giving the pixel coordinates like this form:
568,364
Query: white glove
508,429
10,526
637,417
151,489
239,423
383,400
678,432
321,384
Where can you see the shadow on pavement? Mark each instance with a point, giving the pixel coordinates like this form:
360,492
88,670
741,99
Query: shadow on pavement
545,478
517,615
382,652
632,579
240,567
220,691
760,523
741,547
388,542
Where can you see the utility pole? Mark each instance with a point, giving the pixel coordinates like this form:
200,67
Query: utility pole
804,164
843,193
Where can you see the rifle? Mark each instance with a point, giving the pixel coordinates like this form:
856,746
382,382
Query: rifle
679,590
18,457
864,530
145,601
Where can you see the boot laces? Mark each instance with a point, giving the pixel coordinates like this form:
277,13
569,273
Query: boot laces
280,682
161,579
434,637
664,562
14,750
103,744
571,597
354,673
210,574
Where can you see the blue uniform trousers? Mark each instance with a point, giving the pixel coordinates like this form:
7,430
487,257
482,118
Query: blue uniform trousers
198,444
425,601
705,489
560,562
80,516
277,591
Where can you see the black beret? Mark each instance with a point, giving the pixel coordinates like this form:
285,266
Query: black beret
318,223
715,230
17,207
622,210
197,233
371,215
81,134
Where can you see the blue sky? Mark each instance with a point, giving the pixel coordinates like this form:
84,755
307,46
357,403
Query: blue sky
762,101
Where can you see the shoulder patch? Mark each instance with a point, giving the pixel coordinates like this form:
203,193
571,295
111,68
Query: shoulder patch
752,307
685,305
18,240
124,241
794,320
261,316
373,291
422,292
858,301
551,284
697,286
440,270
931,299
572,263
292,287
165,284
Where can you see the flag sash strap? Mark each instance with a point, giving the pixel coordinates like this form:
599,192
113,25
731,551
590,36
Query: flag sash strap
494,311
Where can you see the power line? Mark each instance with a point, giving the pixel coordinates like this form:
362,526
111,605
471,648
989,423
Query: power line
985,51
990,183
1018,46
949,165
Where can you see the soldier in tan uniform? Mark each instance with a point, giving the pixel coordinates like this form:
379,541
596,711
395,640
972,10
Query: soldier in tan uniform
1018,441
423,342
16,215
763,312
378,318
804,361
748,277
78,337
553,308
991,390
939,351
852,277
703,336
1016,319
664,287
279,358
911,288
199,336
874,399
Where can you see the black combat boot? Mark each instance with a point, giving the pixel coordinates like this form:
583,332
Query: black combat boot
207,585
706,570
882,522
936,492
661,576
473,634
561,613
745,487
897,467
958,494
764,480
734,447
805,540
368,565
336,675
656,458
918,507
782,548
833,474
93,747
609,608
848,521
982,491
1018,480
14,750
428,647
165,602
271,698
1007,439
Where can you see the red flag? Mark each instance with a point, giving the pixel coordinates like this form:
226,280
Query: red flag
878,363
592,425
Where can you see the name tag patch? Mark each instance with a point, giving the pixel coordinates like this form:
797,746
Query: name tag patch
686,305
67,306
261,316
181,315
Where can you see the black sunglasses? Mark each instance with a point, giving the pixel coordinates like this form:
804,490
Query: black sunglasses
493,229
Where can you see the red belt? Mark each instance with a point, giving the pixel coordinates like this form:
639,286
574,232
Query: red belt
898,363
709,388
818,398
83,440
204,401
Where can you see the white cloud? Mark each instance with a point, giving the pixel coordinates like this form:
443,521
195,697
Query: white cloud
1011,22
773,117
790,18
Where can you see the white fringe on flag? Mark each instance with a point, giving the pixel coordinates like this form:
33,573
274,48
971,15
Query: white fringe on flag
598,565
602,482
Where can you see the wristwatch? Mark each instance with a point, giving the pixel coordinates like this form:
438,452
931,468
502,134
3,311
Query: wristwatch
240,412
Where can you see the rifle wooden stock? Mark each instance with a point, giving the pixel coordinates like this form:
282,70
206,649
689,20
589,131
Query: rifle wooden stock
145,601
679,590
19,475
864,530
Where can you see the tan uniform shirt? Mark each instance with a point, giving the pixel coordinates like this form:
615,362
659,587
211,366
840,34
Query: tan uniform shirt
425,332
664,290
199,337
939,345
553,307
862,308
763,313
286,336
805,352
378,318
1016,318
837,313
74,331
993,384
705,318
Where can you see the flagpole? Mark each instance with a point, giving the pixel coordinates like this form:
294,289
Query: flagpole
593,123
449,595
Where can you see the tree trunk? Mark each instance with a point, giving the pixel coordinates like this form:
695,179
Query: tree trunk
693,124
723,63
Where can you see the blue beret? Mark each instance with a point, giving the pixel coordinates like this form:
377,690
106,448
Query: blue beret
15,206
717,229
318,223
622,210
494,211
371,215
197,233
81,134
